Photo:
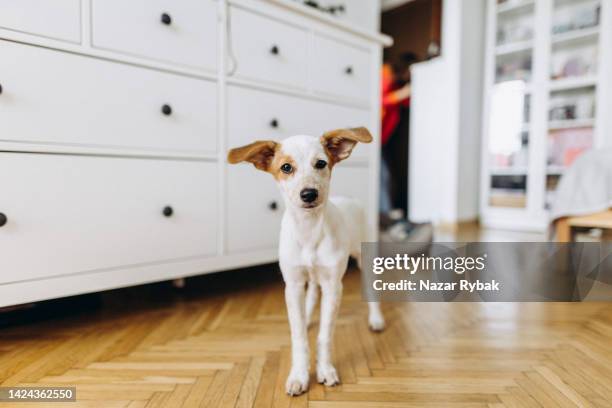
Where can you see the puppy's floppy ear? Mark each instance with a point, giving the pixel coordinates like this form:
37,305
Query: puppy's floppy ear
339,143
260,153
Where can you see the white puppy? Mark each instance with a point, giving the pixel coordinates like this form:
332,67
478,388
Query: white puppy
317,237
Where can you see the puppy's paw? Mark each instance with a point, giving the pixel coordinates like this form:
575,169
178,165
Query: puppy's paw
327,374
297,382
376,323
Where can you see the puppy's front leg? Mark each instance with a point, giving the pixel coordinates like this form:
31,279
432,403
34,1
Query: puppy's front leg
312,295
297,382
331,290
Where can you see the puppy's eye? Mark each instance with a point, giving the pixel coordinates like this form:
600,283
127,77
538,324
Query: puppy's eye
286,168
320,164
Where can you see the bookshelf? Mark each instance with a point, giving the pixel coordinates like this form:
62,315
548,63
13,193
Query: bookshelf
546,64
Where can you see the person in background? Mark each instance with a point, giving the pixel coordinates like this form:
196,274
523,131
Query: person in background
395,112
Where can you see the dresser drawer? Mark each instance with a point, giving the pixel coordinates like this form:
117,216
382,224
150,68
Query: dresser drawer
254,209
353,182
268,50
331,116
256,114
340,69
71,214
181,32
84,101
57,19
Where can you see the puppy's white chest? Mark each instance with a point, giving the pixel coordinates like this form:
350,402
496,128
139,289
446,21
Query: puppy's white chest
318,261
318,254
308,256
313,247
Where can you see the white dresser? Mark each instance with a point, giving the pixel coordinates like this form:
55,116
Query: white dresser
115,120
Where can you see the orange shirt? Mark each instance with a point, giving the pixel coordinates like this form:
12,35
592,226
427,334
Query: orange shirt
391,105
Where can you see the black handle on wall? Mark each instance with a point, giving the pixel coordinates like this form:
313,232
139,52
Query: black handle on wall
166,110
274,123
166,19
0,89
349,70
3,220
273,206
275,50
167,211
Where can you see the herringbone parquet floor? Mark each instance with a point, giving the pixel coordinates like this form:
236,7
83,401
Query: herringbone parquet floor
224,342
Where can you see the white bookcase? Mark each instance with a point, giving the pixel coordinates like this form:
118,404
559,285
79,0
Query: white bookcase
548,73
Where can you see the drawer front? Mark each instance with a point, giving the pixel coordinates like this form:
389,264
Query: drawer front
57,19
331,116
71,214
254,209
268,50
265,115
254,115
84,101
181,32
351,182
340,69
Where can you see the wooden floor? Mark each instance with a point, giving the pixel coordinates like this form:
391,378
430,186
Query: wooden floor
223,342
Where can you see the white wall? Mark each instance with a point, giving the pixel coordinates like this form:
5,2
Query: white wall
471,99
446,119
365,14
432,146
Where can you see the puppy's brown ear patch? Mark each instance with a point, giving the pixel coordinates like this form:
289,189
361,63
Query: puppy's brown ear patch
260,153
339,143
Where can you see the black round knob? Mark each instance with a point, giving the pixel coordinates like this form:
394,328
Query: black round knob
168,211
166,19
0,88
274,123
273,206
349,70
166,110
274,50
3,220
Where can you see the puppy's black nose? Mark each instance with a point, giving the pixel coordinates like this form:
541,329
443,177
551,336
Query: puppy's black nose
308,195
